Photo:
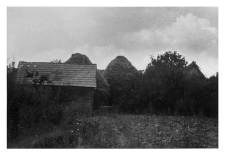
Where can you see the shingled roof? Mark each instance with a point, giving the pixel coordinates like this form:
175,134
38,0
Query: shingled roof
191,67
59,74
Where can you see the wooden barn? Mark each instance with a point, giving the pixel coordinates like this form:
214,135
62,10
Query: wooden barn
76,81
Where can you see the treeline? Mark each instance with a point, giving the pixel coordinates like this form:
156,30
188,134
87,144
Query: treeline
164,88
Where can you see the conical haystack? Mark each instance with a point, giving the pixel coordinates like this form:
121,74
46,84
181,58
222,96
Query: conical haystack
79,59
119,74
120,65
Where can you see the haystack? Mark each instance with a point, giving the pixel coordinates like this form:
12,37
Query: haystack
79,59
102,92
119,74
119,65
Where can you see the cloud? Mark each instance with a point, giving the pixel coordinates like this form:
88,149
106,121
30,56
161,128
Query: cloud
188,33
44,34
47,56
42,29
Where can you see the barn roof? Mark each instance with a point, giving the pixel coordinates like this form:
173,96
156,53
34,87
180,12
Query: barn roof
191,66
59,74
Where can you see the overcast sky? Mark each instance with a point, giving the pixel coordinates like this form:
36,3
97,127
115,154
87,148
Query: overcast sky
45,34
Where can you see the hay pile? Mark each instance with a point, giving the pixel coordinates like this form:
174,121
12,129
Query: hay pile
119,74
79,59
102,92
119,65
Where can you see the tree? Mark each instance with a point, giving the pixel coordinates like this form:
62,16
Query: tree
57,61
12,106
164,79
209,97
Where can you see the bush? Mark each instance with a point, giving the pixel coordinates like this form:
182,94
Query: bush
200,97
28,105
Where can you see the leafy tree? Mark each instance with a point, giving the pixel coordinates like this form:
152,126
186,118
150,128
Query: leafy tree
57,61
164,79
190,103
171,91
209,97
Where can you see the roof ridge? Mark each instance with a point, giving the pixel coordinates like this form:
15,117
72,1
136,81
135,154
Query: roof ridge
58,63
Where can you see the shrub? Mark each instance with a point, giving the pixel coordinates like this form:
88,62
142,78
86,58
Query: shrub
28,105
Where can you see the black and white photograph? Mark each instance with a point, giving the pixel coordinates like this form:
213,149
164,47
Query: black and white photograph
112,77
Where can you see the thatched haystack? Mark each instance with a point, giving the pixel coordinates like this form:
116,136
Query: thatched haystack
102,92
120,65
79,59
119,74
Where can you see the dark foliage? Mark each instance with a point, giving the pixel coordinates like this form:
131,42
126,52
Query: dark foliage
164,78
122,78
171,91
102,92
29,105
57,61
163,88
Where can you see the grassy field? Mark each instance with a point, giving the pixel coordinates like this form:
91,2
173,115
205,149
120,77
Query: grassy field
127,131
